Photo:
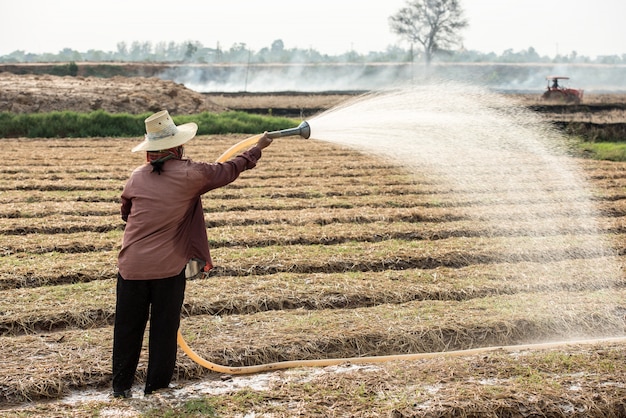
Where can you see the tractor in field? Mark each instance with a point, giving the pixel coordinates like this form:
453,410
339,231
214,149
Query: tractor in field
556,92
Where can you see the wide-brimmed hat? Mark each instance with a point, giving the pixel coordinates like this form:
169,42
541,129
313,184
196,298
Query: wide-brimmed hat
162,133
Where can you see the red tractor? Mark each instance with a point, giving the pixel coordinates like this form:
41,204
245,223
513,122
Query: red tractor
561,94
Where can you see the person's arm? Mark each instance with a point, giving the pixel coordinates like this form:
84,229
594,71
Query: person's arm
225,173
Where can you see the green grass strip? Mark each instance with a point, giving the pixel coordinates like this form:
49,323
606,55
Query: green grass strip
68,124
611,151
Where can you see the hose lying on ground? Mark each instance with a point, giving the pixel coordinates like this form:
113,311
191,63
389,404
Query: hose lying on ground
376,359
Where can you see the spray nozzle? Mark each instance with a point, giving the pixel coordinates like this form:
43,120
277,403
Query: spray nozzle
304,130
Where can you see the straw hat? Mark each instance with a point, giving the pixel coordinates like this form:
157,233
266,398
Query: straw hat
162,133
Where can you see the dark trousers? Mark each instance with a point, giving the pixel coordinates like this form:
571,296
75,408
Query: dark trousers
159,300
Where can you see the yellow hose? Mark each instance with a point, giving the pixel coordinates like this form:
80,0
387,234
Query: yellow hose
228,154
247,143
238,147
375,359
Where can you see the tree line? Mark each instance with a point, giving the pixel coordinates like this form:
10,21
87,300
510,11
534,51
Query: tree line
196,52
431,28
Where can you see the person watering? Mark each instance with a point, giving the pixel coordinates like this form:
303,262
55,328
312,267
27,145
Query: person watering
164,243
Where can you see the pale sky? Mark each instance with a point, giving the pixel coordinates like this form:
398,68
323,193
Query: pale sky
329,26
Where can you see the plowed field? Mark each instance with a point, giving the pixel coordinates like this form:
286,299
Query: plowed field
321,252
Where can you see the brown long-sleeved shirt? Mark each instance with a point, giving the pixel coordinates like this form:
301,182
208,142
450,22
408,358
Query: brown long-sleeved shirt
165,222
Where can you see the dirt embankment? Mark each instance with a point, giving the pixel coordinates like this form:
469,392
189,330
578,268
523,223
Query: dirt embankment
33,93
46,93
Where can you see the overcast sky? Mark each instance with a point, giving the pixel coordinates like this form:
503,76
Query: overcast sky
333,27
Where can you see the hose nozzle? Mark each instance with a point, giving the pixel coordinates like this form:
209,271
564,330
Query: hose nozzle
304,130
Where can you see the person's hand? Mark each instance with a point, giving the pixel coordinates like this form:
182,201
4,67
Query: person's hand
264,142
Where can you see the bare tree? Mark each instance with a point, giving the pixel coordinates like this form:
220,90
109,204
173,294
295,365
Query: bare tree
434,24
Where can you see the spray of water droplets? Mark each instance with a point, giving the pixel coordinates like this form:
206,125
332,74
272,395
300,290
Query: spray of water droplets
509,171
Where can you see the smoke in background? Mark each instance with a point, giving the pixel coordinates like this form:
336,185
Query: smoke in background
593,78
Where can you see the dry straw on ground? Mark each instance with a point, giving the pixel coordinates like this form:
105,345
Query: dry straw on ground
320,252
